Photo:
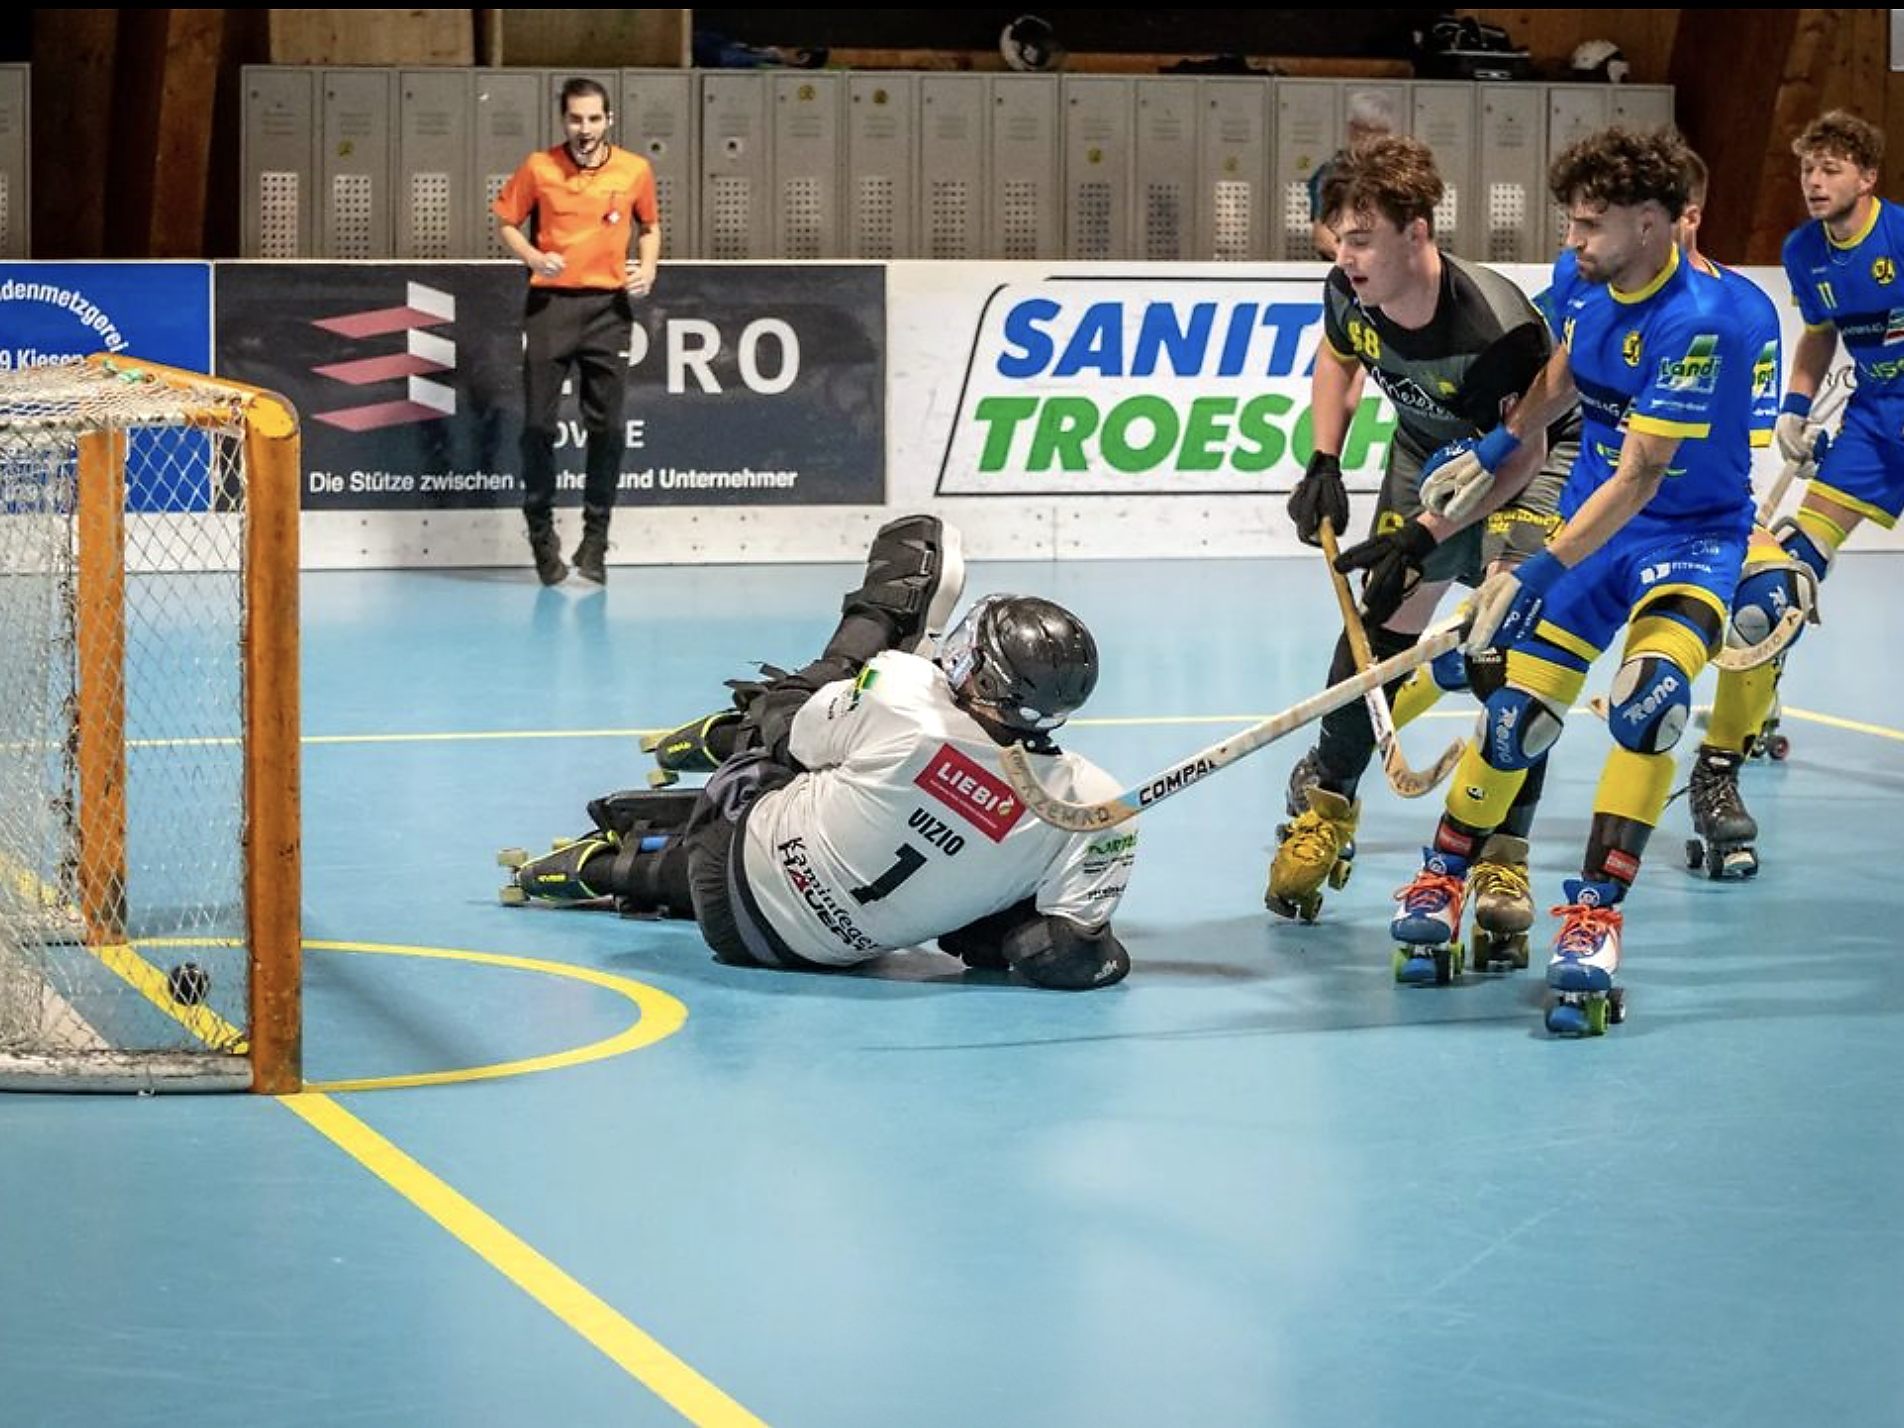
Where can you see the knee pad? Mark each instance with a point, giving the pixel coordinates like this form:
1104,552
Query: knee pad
1649,704
1765,593
1517,727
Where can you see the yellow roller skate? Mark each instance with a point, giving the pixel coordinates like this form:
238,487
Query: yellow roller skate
1317,847
1503,905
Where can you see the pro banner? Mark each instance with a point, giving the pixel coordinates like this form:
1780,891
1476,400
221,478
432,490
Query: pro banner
746,385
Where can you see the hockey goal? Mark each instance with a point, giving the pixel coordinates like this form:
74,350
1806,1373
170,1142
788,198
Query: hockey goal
149,866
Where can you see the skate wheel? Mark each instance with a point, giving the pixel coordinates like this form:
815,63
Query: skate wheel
509,895
1695,854
1616,1005
1517,951
1282,831
651,742
1778,747
663,778
512,857
1419,966
1339,874
1597,1016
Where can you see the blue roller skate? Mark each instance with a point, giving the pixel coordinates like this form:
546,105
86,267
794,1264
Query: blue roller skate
1428,927
1586,956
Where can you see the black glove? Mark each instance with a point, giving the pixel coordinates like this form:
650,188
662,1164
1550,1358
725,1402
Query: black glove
1319,495
1393,562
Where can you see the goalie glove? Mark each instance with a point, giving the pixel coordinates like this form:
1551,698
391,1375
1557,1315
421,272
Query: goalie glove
1797,438
1508,604
1457,478
1393,561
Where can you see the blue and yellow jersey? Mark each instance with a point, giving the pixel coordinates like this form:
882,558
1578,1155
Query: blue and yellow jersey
1856,287
1760,315
1672,359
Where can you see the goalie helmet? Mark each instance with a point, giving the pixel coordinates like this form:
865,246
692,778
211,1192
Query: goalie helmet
1030,662
1599,61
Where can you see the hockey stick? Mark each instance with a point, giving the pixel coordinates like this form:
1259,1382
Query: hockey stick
1405,781
1437,640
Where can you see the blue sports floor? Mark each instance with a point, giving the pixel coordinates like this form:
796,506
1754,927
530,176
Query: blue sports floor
560,1168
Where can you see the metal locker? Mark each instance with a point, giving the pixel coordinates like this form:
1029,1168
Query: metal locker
553,79
279,163
658,117
736,192
1640,106
1097,114
433,165
1025,217
354,164
508,129
16,151
881,165
1233,169
1573,112
953,109
1164,188
1513,174
806,164
1443,119
1307,135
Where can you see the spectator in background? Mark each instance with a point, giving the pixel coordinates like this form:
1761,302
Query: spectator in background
1371,114
582,200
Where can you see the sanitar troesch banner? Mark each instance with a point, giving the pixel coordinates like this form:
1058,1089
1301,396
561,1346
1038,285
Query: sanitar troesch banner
1140,384
747,385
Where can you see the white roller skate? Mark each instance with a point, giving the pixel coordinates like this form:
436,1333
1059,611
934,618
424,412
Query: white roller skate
1586,956
1503,905
1428,927
1723,828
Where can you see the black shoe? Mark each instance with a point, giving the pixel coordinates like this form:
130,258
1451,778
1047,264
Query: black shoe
547,549
591,556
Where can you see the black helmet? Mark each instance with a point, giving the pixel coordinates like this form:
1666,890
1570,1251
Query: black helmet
1028,660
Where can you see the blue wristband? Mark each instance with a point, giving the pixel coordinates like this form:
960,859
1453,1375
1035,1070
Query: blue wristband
1795,404
1496,447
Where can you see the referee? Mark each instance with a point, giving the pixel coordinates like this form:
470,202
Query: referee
582,200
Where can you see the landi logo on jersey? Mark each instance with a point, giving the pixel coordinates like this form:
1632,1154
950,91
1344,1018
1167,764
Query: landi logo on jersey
1697,371
1146,386
980,797
1883,270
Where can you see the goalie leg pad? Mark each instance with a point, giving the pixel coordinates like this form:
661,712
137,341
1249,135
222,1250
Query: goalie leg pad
1649,704
640,811
1517,727
1053,951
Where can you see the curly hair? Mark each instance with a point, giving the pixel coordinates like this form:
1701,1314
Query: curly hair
1844,134
1623,168
1390,175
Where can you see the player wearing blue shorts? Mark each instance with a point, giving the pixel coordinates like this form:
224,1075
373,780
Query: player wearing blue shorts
1656,513
1843,267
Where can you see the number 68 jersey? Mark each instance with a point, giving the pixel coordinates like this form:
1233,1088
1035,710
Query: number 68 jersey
904,827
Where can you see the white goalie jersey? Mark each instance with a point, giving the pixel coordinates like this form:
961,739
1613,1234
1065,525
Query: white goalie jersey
904,827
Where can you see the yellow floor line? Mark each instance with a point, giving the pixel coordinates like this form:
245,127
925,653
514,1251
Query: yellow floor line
630,1348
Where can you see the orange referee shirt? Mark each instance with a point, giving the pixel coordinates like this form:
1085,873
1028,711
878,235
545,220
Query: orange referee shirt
583,214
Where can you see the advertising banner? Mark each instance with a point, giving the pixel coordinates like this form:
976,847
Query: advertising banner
747,386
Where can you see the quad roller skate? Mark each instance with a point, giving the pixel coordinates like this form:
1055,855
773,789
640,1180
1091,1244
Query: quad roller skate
1586,954
555,876
1428,927
1770,744
1315,849
1503,905
698,746
1723,828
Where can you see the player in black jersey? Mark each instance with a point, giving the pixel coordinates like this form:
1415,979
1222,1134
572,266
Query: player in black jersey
1451,344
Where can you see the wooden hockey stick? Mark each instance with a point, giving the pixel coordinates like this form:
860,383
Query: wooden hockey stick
1405,781
1167,783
